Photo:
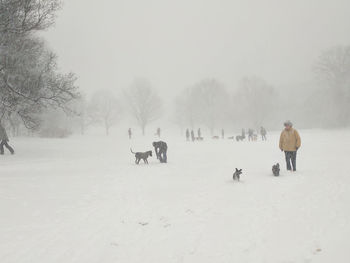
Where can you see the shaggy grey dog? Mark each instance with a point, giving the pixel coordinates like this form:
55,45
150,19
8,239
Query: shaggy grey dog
236,174
141,155
276,169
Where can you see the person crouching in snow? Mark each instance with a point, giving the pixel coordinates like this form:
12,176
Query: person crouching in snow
290,143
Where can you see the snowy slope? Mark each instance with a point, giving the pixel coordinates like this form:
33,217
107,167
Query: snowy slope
83,199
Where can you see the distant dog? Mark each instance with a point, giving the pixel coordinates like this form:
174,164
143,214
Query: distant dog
276,169
143,156
240,138
236,174
231,138
199,138
216,137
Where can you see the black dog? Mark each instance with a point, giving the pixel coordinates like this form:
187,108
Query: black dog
143,156
236,174
240,138
276,169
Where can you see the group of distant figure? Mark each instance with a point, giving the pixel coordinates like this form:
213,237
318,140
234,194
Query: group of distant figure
192,136
157,133
252,135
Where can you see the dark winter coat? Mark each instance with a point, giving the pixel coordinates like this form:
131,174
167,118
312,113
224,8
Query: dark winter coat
3,134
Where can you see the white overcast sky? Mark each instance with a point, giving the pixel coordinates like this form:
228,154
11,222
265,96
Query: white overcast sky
108,43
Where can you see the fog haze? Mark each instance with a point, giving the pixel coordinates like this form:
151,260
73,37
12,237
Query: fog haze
176,43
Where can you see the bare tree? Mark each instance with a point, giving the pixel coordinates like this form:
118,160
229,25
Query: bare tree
55,123
143,103
211,101
30,82
254,102
81,115
29,79
21,17
205,103
332,69
104,109
185,109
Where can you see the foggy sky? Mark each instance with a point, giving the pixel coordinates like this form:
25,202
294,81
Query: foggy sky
108,43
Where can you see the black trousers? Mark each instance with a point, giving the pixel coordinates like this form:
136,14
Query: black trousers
161,155
4,143
291,160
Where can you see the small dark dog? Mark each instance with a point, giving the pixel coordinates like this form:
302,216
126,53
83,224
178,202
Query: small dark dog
240,138
236,174
143,156
199,138
231,138
276,169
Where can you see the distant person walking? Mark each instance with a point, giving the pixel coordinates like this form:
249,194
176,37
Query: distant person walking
222,133
243,133
290,142
129,133
263,133
192,135
4,141
187,135
158,132
199,133
250,135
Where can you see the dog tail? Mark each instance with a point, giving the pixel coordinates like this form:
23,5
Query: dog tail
131,151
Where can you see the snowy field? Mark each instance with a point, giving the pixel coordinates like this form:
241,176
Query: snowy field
84,200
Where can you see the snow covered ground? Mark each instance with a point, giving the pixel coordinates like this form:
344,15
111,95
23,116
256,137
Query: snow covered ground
84,200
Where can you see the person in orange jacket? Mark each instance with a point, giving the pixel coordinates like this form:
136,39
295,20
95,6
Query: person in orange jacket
290,142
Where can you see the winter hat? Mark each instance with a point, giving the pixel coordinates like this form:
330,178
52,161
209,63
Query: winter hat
288,123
